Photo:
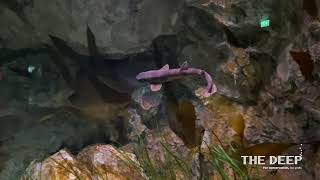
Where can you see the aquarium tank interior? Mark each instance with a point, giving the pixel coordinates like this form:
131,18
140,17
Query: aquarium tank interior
159,89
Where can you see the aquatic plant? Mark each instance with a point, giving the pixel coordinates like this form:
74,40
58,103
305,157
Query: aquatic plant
219,162
219,159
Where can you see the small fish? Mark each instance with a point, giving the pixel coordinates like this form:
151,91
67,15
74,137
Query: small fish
165,74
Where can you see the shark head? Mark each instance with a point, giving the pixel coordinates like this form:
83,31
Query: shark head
153,74
154,77
142,76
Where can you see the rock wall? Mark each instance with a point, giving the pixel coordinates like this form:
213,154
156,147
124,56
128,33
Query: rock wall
267,78
119,25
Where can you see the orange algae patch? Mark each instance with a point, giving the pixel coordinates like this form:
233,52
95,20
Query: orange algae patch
186,116
227,111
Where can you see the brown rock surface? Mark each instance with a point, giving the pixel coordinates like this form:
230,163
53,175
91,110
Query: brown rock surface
94,162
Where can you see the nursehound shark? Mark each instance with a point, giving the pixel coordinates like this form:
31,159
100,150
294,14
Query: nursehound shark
165,74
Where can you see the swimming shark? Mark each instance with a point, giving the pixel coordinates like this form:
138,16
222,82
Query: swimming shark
165,74
112,74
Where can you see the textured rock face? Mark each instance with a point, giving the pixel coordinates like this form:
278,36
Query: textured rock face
231,36
255,66
43,87
267,78
37,136
284,100
107,162
120,25
294,98
94,162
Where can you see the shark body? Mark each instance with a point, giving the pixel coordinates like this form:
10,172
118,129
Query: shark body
165,74
111,74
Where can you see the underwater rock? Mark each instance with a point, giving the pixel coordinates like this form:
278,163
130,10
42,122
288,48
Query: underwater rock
291,117
37,137
289,105
136,124
104,161
106,158
94,162
163,147
225,39
56,167
146,98
315,30
263,99
207,46
303,59
223,121
42,87
120,26
157,142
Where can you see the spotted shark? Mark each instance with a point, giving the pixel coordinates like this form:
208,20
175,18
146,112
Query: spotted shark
165,74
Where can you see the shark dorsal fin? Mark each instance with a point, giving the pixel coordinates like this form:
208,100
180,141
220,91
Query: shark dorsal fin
92,46
165,67
184,65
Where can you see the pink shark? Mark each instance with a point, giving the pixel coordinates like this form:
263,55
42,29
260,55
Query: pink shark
165,74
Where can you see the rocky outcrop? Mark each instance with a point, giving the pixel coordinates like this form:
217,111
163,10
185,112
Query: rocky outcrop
267,78
120,25
94,162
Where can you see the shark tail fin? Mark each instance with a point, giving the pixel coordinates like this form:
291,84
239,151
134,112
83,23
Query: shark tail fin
92,46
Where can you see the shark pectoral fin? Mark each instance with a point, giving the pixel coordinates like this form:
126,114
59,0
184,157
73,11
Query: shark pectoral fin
165,67
155,87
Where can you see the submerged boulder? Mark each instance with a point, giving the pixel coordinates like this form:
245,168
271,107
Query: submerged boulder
94,162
